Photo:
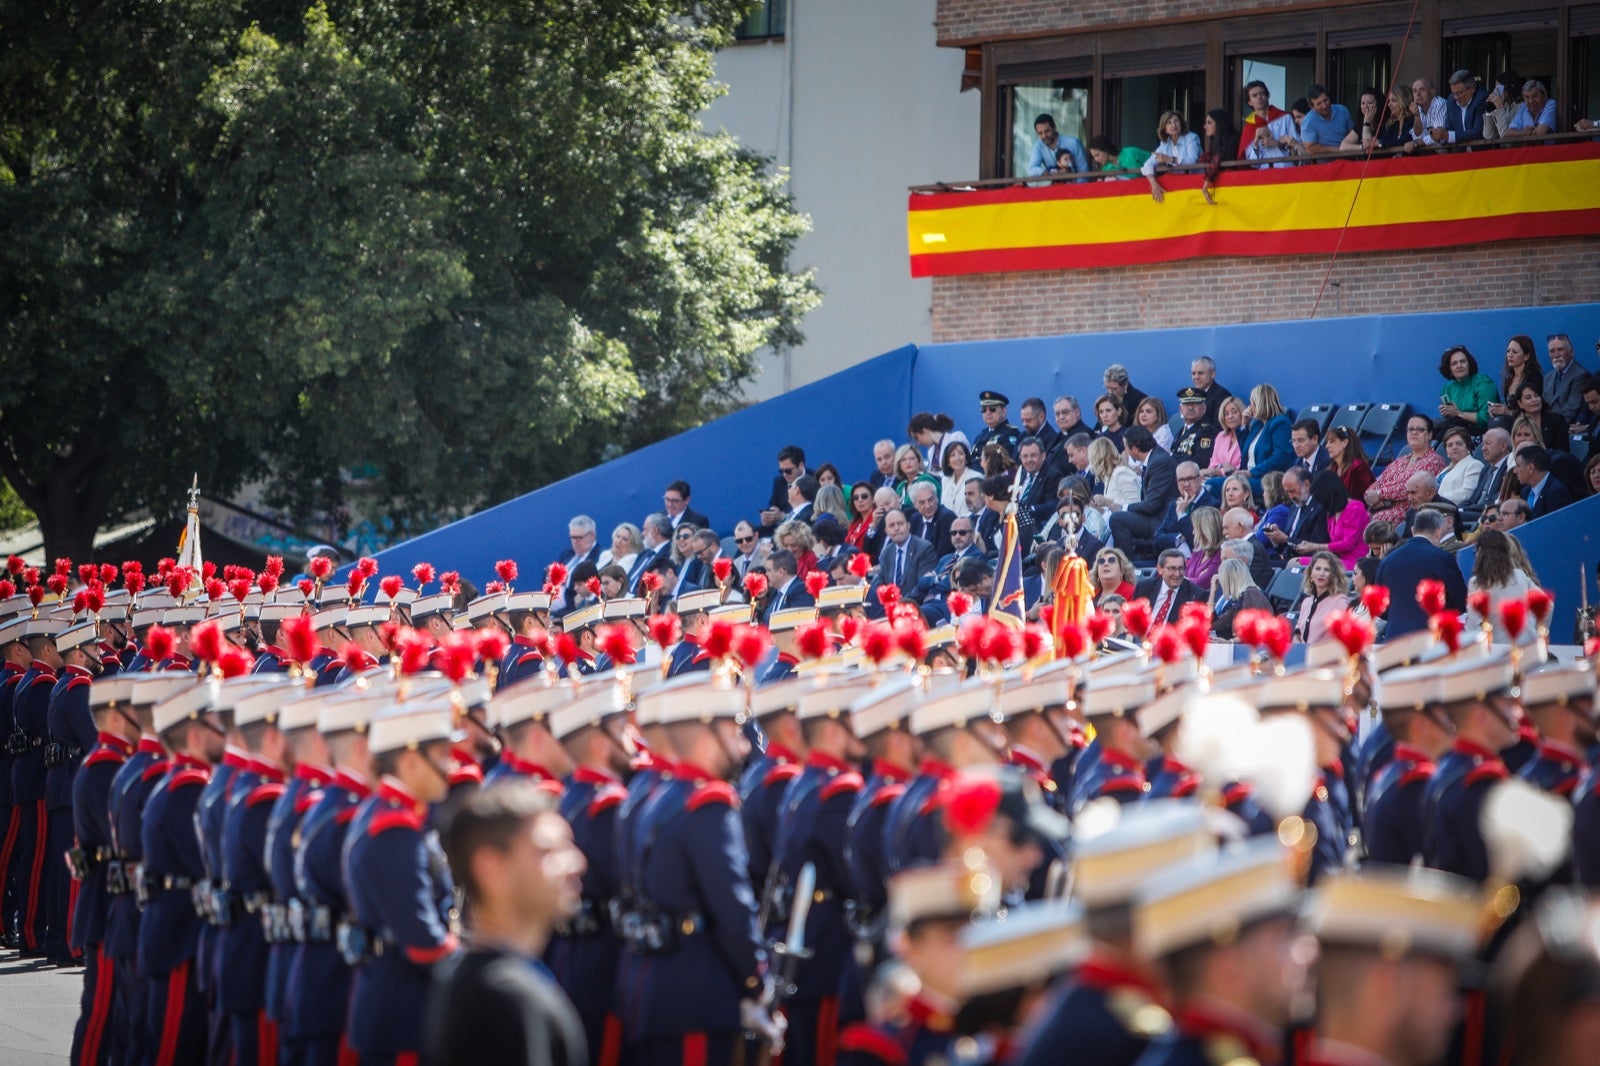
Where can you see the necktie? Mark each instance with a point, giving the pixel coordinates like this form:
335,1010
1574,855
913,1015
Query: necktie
899,559
1027,485
1164,604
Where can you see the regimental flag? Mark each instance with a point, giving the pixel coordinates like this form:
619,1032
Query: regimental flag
189,540
1074,597
1008,605
1405,202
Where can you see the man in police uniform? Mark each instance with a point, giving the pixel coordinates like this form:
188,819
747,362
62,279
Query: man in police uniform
997,428
401,897
1199,433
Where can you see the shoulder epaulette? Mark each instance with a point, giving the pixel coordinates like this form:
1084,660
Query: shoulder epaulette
865,1039
467,774
189,775
1566,786
1122,783
847,783
156,768
529,657
344,815
1136,1012
551,785
1186,786
100,756
1489,770
709,793
307,800
266,792
78,681
397,818
783,771
888,794
606,798
1237,792
1422,771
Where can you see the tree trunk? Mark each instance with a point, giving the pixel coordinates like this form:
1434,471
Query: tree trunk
69,500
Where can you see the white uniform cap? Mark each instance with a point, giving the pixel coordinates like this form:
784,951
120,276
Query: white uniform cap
1398,912
1035,942
185,705
699,600
592,706
1557,684
193,614
1113,859
111,691
1475,679
77,636
146,690
411,725
697,699
968,702
263,704
833,700
1209,899
1117,697
1299,691
530,701
774,698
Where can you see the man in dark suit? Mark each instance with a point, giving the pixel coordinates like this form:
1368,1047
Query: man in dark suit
786,590
1132,527
940,581
1544,493
1178,522
1309,454
929,519
791,465
1307,519
657,534
1168,590
1464,110
1035,424
1497,467
1414,561
585,548
904,560
1038,483
697,573
676,500
802,491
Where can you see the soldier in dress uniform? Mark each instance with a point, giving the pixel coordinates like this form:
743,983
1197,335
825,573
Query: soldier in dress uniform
997,427
476,751
1392,944
1198,437
580,625
767,775
311,771
130,787
1392,830
318,992
242,943
812,817
175,1019
363,622
1586,821
929,907
1377,748
330,624
1113,1005
1119,751
178,621
148,606
585,951
30,711
1474,694
273,658
783,626
72,734
706,980
1559,701
16,662
528,616
521,717
1158,721
1219,928
111,626
1041,736
99,1034
402,901
694,610
1005,968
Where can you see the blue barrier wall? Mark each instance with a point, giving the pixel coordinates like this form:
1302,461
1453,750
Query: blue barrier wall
1563,548
731,462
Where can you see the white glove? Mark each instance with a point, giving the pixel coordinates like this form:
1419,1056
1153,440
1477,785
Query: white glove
759,1021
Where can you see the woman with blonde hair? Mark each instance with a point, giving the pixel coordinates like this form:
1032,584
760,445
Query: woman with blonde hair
1113,575
626,544
1203,562
1121,480
830,501
796,536
1227,450
1323,594
1267,447
1234,590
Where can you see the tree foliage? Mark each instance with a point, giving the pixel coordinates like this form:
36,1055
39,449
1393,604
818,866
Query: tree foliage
461,245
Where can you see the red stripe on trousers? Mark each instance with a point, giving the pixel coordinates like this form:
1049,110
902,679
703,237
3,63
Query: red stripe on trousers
266,1039
611,1041
347,1054
827,1030
172,1021
1476,1004
694,1049
34,877
406,1058
72,906
13,826
95,1030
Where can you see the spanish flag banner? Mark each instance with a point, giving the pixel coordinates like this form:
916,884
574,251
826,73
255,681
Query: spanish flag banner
1404,202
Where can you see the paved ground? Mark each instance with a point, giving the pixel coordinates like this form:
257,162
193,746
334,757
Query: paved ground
40,1008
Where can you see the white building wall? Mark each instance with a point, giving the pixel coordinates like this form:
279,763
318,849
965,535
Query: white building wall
859,103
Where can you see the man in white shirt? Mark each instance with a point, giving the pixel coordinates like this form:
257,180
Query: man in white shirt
1430,125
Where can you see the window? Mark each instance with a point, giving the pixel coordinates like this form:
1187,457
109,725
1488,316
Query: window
1065,99
1134,104
1524,42
1584,64
1354,70
1287,73
766,20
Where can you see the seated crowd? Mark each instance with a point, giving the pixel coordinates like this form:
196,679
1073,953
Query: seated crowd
1407,118
1235,503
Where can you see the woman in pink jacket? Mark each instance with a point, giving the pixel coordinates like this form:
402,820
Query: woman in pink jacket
1347,521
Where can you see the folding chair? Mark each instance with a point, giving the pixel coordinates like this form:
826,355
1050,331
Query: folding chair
1378,429
1320,413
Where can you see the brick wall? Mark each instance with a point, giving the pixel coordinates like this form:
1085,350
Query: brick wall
1215,291
970,21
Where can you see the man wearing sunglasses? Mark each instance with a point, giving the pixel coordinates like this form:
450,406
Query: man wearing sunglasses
744,542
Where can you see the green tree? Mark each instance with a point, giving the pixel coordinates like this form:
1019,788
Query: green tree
463,246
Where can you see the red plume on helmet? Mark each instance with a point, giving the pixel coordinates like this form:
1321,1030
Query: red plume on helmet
216,590
208,570
320,569
415,650
80,602
959,603
813,640
567,649
1033,641
356,659
859,564
30,576
234,662
422,573
594,588
63,566
1276,636
1514,616
1446,626
506,569
57,583
1196,633
750,643
36,595
1000,642
7,589
159,644
717,641
267,583
15,565
1539,603
1430,595
755,585
619,642
367,566
133,581
877,642
1247,625
555,574
460,655
1352,631
87,572
273,566
970,804
912,640
299,639
1073,641
492,645
1137,616
178,581
1479,602
665,629
391,585
816,581
108,573
450,581
206,642
848,626
650,582
1166,644
721,568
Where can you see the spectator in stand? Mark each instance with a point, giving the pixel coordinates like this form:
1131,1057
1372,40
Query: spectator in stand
1227,451
1422,492
1107,156
1430,124
1347,521
1123,391
1328,124
1589,415
1364,573
1395,129
1323,593
791,465
884,500
957,471
1219,145
1262,114
1239,545
1458,482
1504,99
934,433
1203,376
613,581
1544,494
1369,106
829,536
1525,431
997,427
1497,469
1137,522
1197,433
626,544
1381,538
1109,414
1043,159
746,549
1120,479
1069,421
1177,146
1039,483
929,520
1152,415
683,543
1386,498
1236,493
1414,561
676,503
1468,393
1268,444
1234,590
1563,385
1281,137
862,515
996,460
1168,590
1065,164
1591,476
1114,574
1522,366
1206,557
826,474
802,498
1553,429
1348,459
1465,109
1076,451
1536,115
830,502
1495,571
1309,455
883,460
908,469
1275,503
1035,424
